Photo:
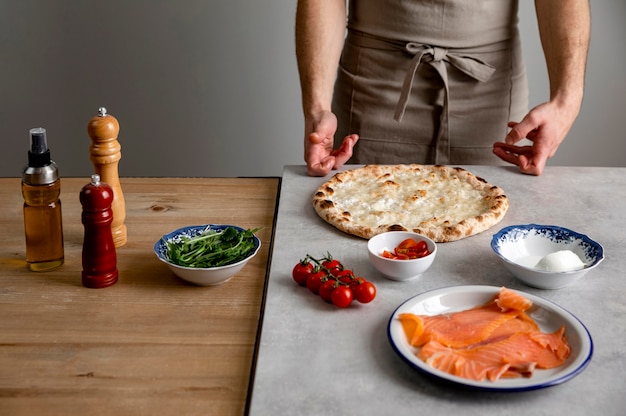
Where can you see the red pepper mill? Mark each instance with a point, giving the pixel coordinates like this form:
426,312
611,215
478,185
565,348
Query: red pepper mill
105,152
99,257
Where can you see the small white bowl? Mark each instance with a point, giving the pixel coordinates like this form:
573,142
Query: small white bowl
520,247
210,276
400,270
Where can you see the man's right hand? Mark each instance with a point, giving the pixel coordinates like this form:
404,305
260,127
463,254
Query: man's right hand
319,154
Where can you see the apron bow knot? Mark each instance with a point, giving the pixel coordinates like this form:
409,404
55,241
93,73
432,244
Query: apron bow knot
437,58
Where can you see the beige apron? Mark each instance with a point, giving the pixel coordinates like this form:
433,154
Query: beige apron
430,81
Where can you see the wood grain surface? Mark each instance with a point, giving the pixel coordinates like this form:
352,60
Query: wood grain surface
151,344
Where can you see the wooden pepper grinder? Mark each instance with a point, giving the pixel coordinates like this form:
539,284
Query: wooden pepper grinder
99,256
105,151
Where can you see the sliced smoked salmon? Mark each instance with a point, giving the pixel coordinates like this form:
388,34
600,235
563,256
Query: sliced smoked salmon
467,327
491,341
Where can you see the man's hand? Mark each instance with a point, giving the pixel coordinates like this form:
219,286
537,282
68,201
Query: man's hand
319,154
546,126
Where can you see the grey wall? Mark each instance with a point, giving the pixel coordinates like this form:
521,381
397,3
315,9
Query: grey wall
210,87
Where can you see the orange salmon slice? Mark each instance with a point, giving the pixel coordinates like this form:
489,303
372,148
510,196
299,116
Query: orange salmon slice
467,327
514,356
492,341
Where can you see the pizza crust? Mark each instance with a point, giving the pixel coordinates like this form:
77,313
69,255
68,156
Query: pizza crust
443,203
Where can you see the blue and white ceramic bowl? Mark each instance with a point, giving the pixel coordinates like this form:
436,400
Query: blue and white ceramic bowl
210,276
520,247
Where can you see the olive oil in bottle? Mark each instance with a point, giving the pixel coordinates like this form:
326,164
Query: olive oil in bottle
41,188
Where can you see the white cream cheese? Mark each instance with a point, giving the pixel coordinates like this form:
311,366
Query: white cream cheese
560,261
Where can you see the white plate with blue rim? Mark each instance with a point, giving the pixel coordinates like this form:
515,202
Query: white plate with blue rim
548,315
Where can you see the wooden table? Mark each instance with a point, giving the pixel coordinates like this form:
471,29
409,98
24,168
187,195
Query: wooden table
151,344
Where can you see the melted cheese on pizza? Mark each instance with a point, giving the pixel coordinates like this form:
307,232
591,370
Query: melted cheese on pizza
410,201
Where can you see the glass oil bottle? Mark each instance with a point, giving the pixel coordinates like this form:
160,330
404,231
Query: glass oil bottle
41,189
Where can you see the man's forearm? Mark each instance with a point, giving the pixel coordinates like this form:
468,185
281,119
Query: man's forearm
320,32
564,27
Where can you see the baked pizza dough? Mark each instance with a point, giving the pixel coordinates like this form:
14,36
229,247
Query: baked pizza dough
441,202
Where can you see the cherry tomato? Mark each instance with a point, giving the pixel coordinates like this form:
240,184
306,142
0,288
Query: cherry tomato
355,282
326,290
405,246
408,249
421,246
346,280
333,267
365,292
341,297
344,275
315,280
332,264
301,272
420,250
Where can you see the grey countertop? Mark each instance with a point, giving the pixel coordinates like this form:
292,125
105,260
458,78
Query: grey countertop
316,359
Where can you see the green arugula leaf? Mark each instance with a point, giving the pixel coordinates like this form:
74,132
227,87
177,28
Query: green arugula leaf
211,248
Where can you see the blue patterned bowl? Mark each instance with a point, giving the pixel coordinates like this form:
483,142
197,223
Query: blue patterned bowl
520,247
210,276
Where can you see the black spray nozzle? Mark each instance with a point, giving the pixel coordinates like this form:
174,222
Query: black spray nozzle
39,154
38,141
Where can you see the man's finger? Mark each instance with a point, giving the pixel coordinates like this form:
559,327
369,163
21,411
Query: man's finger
315,138
519,131
344,153
506,155
322,168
